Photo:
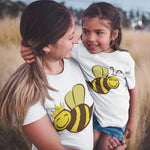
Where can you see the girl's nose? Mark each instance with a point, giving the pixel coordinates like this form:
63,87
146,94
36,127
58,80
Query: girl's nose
91,37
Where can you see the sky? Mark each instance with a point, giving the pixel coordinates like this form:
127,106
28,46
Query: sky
126,5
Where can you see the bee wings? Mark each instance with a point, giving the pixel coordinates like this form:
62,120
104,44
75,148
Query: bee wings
99,71
75,97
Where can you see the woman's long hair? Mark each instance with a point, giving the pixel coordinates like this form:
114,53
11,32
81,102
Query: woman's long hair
42,23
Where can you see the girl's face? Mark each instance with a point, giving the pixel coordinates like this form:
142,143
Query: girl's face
96,35
62,49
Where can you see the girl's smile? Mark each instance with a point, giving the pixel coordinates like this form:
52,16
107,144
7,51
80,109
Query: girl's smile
96,35
93,46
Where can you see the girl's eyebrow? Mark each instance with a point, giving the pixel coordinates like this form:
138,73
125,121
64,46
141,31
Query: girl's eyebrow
84,29
98,30
94,30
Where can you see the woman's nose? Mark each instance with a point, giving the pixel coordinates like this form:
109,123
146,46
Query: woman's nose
75,40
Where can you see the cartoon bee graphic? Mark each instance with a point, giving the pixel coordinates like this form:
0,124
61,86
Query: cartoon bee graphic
102,83
79,116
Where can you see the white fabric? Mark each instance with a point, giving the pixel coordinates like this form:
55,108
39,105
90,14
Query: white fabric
111,109
64,82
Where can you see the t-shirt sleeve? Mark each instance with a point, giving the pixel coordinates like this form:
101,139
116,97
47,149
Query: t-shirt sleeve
130,73
34,113
74,51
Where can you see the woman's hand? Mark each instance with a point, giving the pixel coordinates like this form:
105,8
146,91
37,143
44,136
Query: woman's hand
27,53
117,145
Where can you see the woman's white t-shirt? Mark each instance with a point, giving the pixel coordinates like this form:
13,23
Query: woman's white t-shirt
72,98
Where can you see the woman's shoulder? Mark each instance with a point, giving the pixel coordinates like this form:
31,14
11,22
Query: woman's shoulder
34,113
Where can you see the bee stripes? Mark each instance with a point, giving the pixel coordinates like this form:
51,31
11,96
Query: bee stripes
81,115
99,85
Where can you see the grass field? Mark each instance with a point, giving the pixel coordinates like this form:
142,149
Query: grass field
136,42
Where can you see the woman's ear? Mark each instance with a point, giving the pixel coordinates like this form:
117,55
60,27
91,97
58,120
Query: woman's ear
114,34
46,49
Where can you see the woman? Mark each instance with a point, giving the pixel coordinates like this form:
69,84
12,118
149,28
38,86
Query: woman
64,119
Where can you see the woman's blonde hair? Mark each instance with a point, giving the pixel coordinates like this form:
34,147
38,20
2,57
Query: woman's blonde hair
42,23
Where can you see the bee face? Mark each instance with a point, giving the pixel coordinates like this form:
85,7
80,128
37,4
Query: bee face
62,120
112,82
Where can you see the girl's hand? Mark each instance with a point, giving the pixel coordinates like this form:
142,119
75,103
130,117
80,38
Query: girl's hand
129,129
117,145
27,53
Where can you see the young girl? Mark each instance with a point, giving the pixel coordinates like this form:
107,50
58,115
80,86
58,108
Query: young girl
57,118
108,70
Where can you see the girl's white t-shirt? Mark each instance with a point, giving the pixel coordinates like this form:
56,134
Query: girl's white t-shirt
111,108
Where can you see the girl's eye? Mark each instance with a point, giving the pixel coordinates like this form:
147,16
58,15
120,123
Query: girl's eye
85,32
99,33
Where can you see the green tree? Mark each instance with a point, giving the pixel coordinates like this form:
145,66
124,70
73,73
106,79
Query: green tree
9,8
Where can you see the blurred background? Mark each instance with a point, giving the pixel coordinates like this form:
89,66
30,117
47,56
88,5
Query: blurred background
136,39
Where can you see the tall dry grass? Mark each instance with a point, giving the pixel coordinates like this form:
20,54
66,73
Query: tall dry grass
10,139
136,42
9,48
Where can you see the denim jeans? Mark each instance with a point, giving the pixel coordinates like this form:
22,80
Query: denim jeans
112,131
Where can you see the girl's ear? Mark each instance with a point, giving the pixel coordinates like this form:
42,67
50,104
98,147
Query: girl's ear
114,34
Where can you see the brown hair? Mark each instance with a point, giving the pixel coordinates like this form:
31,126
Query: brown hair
42,23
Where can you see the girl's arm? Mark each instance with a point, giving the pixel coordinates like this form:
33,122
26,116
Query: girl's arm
130,124
43,135
27,53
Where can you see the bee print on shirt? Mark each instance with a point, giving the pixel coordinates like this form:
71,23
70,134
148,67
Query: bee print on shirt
102,83
79,115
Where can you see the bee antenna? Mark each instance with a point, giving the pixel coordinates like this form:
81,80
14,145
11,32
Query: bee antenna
118,72
112,68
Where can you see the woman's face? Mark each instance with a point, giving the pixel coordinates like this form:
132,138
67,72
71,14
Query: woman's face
62,49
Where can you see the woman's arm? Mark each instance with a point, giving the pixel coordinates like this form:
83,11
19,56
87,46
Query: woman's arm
43,135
